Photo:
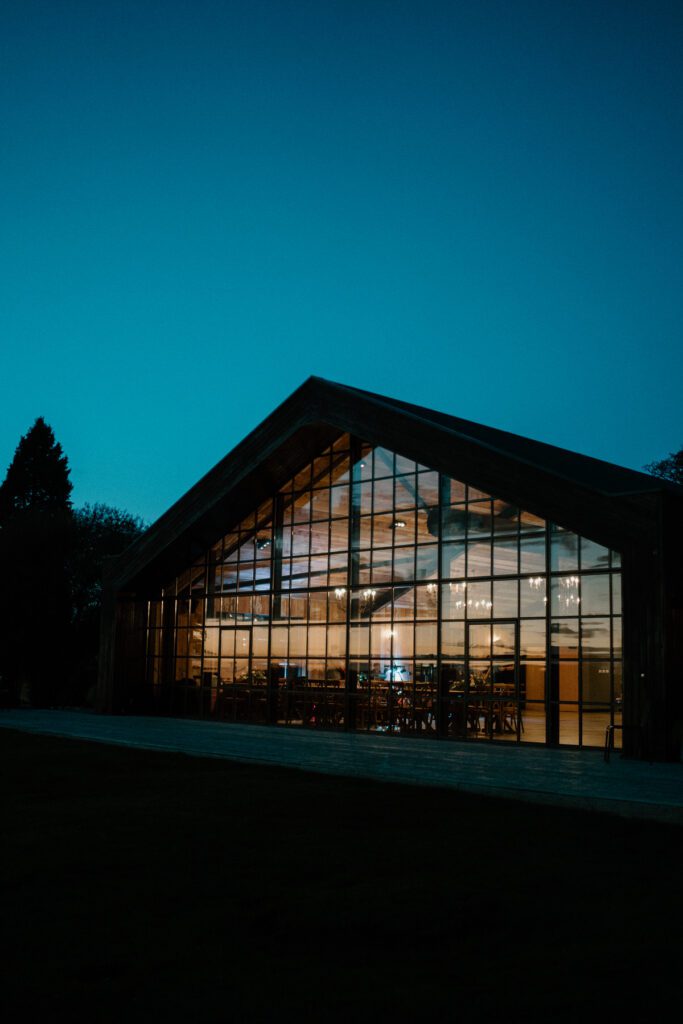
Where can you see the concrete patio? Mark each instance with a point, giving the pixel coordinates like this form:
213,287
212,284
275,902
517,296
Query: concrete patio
557,777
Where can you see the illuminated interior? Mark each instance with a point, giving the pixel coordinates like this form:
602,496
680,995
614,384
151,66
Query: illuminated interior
373,593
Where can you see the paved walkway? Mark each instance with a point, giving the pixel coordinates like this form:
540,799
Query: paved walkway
565,777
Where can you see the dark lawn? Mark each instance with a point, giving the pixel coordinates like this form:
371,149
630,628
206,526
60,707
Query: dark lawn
139,883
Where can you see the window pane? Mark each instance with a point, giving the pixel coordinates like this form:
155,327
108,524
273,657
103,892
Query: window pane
479,519
320,538
403,640
564,638
359,641
453,675
340,501
404,564
479,602
479,558
317,607
336,641
532,554
428,488
260,642
453,560
455,490
426,600
384,462
569,726
593,556
532,638
383,495
453,600
404,603
452,639
381,603
505,519
503,639
300,540
297,642
404,465
339,535
301,508
595,720
533,682
616,593
532,596
595,638
211,642
427,525
425,639
227,643
427,562
406,493
453,523
479,641
596,680
278,642
568,672
320,505
505,599
299,573
316,641
564,594
505,562
564,550
595,595
381,565
400,528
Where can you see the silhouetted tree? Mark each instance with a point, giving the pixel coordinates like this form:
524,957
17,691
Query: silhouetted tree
37,479
670,468
35,539
100,532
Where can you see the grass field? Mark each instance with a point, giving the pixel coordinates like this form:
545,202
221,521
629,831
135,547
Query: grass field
139,884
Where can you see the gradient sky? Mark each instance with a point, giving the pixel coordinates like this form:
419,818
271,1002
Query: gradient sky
474,206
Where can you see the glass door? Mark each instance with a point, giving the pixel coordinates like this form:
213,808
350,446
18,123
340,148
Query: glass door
492,677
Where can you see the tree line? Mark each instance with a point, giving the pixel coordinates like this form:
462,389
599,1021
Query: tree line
52,556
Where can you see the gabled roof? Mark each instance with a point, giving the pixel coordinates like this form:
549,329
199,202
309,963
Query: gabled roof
606,502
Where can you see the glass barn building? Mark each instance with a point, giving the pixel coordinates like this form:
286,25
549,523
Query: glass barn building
364,564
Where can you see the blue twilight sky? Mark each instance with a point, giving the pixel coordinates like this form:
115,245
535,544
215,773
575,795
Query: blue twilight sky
474,206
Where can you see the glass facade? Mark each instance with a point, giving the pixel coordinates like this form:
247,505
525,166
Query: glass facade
373,593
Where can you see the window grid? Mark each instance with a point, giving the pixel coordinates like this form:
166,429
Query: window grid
354,597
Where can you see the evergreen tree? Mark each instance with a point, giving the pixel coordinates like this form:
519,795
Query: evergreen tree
37,480
35,600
